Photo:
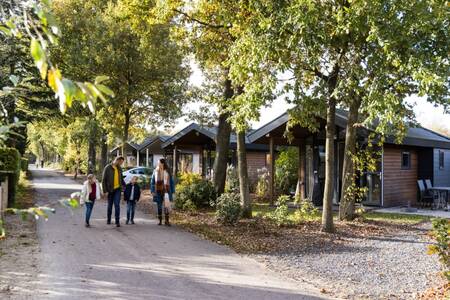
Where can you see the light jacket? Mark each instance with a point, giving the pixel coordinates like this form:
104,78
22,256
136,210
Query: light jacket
170,192
86,190
108,178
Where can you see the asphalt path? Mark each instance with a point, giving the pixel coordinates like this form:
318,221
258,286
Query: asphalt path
142,261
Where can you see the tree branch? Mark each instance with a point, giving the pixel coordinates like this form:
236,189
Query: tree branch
204,23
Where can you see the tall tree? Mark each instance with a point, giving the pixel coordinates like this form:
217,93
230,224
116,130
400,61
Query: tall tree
344,53
206,32
144,66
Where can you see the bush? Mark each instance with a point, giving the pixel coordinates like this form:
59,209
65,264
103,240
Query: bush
193,192
262,186
306,210
281,214
441,233
232,180
10,163
286,170
228,209
24,164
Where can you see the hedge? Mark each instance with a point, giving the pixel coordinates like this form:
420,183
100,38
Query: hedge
10,161
24,164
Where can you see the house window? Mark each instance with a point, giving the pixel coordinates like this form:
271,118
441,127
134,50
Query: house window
406,160
441,159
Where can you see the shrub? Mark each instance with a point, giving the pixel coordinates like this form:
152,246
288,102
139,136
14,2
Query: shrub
10,163
194,192
281,214
306,210
441,233
262,186
286,170
232,180
228,209
24,164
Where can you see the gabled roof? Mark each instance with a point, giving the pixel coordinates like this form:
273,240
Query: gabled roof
423,137
416,136
152,139
210,132
131,144
341,121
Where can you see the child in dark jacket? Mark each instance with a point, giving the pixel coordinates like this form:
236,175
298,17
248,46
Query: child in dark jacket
132,194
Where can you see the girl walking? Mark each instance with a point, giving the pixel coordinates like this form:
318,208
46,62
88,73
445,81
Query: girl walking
89,193
162,188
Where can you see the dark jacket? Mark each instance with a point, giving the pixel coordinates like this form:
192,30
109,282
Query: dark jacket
127,193
156,197
108,178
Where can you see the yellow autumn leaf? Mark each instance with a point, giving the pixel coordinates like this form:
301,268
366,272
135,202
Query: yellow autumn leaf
54,74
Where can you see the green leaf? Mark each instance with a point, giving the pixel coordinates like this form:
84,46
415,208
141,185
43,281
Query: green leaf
36,50
5,30
105,90
39,57
100,79
69,90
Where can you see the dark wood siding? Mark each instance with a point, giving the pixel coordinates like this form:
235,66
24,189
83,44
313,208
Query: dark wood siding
400,185
255,161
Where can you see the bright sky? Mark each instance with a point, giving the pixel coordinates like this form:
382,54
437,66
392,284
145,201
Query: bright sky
426,113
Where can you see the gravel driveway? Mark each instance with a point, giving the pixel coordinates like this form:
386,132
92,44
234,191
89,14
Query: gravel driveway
389,266
142,261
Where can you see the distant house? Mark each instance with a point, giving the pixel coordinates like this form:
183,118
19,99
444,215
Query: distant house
150,150
423,154
128,151
193,149
145,154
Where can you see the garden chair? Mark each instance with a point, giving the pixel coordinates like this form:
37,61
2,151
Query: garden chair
425,198
428,184
438,198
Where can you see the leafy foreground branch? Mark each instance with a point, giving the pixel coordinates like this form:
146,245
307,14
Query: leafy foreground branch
39,212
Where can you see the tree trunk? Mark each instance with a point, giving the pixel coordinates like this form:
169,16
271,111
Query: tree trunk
222,144
126,127
92,157
327,214
347,202
103,155
77,163
243,176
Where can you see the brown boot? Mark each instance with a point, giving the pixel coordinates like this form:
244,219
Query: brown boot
167,223
160,220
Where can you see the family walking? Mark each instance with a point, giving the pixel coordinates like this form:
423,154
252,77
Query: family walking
161,186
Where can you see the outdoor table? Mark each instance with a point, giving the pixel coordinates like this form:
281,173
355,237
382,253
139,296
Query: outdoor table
442,201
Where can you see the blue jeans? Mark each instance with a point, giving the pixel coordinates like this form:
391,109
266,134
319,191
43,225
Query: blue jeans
114,198
131,206
89,207
160,204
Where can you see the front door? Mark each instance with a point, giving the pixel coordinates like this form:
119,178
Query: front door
373,184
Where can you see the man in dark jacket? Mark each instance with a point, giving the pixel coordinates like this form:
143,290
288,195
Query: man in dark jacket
112,182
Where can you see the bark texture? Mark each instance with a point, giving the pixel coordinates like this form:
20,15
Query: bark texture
243,176
347,202
327,214
222,144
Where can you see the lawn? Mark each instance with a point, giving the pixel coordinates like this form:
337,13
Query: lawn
262,209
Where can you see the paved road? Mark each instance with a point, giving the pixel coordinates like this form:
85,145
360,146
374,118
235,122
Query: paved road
142,261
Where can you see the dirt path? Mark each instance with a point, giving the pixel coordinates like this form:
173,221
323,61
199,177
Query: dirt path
142,261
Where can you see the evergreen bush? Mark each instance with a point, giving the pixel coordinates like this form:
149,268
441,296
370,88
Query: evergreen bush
228,208
10,165
193,192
